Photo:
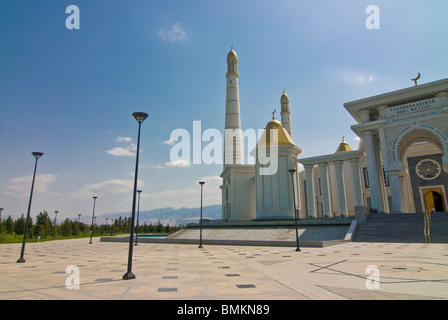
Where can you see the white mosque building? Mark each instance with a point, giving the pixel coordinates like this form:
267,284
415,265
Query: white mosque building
400,165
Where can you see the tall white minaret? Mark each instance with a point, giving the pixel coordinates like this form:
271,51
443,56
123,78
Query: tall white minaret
233,151
286,121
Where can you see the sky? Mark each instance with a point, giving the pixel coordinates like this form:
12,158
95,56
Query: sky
70,92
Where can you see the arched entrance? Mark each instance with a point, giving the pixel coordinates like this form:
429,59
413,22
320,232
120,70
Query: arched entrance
433,200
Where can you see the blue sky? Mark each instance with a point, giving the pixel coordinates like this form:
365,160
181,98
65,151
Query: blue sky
70,93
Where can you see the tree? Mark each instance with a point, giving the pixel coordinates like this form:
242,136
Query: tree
43,225
9,225
66,228
19,225
159,227
167,228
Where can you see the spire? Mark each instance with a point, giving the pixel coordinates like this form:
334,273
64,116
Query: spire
232,61
285,114
233,150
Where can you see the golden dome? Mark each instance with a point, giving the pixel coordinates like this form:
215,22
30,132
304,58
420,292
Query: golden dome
282,135
343,147
232,57
284,99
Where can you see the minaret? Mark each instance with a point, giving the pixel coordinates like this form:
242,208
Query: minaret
233,151
286,121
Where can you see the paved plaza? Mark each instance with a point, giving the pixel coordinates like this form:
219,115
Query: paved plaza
350,271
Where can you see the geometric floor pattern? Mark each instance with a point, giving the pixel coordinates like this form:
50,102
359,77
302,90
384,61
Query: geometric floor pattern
349,271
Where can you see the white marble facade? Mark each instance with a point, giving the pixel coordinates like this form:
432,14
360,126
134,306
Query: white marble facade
400,165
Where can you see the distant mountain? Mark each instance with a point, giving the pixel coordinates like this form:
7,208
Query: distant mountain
171,216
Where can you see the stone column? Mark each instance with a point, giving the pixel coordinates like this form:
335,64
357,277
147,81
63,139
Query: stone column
309,190
341,188
324,185
394,181
371,147
355,173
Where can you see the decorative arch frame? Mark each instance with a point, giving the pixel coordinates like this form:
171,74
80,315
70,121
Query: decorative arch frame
416,133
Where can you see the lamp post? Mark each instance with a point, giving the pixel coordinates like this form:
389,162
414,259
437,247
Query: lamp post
79,225
200,221
140,117
138,213
93,215
36,155
54,224
292,171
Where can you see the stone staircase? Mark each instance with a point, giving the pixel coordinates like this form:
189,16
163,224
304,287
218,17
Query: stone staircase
406,227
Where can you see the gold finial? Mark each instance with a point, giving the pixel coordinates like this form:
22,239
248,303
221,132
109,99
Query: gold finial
273,114
231,47
284,91
415,79
343,138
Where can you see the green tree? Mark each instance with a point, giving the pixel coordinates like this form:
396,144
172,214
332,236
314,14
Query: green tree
19,225
9,225
159,227
44,226
66,228
167,228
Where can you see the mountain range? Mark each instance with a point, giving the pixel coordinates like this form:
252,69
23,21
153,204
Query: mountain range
171,216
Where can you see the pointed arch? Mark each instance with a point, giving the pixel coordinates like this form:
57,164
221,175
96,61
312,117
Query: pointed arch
418,133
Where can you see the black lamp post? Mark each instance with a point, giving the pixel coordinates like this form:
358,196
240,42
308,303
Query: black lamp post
36,155
292,171
54,224
200,221
138,213
140,117
79,225
93,215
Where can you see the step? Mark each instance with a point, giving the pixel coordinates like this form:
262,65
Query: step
403,228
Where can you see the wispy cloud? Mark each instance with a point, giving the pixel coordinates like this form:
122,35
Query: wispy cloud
107,187
127,151
187,197
353,77
178,163
124,139
175,34
21,186
169,142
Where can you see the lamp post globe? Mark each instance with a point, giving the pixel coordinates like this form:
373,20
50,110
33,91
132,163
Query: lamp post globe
140,116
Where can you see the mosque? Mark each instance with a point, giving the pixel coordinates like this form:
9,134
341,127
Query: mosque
399,166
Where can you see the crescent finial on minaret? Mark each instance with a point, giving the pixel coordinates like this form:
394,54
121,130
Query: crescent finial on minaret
273,114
